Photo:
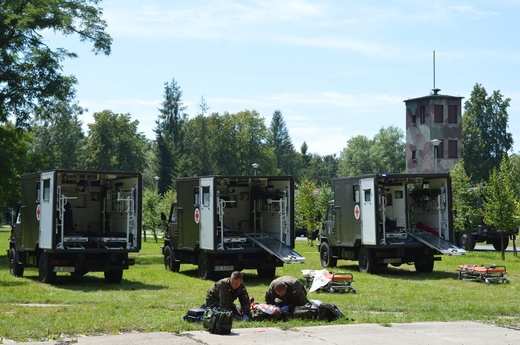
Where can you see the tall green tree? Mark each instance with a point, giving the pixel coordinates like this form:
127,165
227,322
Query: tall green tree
198,133
485,139
59,137
355,158
169,135
502,208
306,208
15,160
385,153
279,139
322,168
467,213
114,143
30,71
388,150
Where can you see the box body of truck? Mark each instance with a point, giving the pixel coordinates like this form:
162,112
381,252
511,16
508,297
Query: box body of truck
77,222
389,219
227,223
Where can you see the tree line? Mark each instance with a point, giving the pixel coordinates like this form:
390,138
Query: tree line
40,127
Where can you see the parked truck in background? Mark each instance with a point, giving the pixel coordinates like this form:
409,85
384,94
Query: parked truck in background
389,219
467,238
76,222
227,223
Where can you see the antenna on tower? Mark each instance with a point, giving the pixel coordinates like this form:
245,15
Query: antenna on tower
435,90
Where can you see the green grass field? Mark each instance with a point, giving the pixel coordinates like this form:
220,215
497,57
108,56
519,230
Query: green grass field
153,299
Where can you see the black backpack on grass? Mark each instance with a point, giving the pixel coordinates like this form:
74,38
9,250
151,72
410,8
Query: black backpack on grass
317,310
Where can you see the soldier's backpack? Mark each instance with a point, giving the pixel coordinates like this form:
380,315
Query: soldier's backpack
308,311
317,310
217,321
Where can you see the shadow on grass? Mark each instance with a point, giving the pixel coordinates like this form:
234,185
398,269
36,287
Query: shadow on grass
93,283
398,273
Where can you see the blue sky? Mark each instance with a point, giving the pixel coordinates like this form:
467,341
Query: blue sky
335,69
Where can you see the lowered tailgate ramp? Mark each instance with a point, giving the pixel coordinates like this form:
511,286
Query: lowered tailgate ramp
276,248
436,242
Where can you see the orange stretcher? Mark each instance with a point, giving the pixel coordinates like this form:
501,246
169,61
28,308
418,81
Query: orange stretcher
487,274
328,281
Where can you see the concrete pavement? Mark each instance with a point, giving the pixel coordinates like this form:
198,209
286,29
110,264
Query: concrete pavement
424,333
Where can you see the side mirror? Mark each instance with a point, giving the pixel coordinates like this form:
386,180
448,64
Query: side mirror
9,218
163,216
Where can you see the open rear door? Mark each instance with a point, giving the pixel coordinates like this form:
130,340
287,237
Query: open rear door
276,248
438,243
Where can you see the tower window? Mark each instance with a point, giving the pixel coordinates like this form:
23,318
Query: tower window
452,114
440,150
452,149
423,114
438,113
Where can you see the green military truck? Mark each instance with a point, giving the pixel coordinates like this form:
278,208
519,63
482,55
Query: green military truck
389,219
76,222
227,223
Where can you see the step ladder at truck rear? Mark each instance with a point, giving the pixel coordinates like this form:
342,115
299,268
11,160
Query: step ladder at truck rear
276,248
436,242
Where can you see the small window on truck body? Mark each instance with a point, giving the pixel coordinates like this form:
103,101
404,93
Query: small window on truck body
355,193
46,190
38,191
368,195
196,196
331,215
205,196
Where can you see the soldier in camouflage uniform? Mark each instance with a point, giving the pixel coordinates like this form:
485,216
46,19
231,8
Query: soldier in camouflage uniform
286,292
225,291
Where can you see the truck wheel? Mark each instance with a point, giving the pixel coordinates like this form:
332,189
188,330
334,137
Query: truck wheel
15,267
326,256
266,272
169,260
466,242
46,271
113,276
497,243
205,269
367,261
424,264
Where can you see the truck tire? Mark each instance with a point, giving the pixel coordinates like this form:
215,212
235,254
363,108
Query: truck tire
367,261
113,276
424,264
46,272
466,241
205,266
15,268
326,256
266,272
170,263
497,243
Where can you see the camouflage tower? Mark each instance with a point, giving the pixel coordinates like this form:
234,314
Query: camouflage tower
433,133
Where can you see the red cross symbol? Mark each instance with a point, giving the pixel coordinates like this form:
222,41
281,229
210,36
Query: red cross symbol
197,216
38,212
356,211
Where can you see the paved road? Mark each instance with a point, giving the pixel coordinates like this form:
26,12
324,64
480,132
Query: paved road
425,333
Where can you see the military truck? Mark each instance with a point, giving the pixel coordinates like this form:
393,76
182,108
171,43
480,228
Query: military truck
77,222
227,223
481,232
391,219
